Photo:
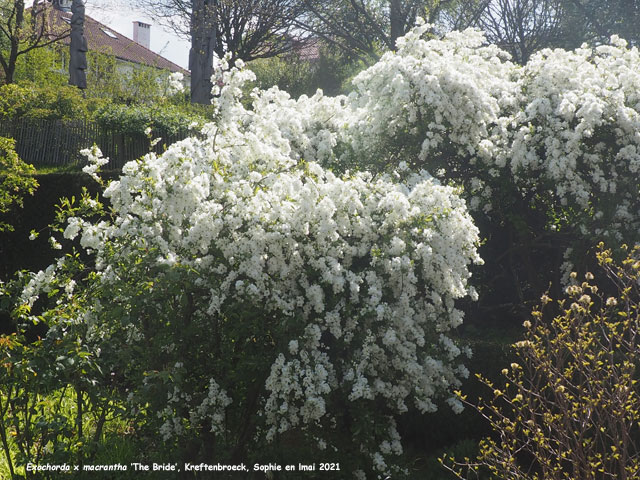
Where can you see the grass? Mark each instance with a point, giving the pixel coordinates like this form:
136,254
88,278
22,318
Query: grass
119,444
115,445
49,169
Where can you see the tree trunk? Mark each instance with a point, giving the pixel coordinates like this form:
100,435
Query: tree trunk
78,47
9,71
396,21
203,42
10,65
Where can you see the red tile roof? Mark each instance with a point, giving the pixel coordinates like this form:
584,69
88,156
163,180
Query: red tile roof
307,49
101,38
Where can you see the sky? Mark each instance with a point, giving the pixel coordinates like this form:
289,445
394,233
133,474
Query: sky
119,15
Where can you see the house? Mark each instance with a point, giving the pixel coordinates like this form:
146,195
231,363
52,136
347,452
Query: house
306,49
129,54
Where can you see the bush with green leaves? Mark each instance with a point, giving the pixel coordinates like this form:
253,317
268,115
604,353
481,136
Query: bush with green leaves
42,66
163,119
16,180
130,85
299,75
42,102
290,74
56,393
569,407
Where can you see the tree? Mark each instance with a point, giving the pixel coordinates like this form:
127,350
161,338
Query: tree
246,29
595,21
522,27
364,28
21,32
203,43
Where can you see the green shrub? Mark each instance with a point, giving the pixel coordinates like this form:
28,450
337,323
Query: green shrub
287,73
16,180
141,85
42,66
41,102
569,406
164,119
55,400
330,71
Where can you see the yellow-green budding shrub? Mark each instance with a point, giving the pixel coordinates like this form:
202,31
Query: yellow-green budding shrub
569,408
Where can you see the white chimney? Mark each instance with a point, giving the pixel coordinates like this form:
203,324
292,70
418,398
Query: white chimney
142,33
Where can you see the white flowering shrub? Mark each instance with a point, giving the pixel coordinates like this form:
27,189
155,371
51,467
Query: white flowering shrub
263,298
577,134
547,154
432,101
290,276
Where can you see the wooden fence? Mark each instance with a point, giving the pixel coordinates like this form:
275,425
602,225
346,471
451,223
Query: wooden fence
58,143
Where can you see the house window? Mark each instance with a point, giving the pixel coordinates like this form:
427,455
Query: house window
64,5
64,64
109,34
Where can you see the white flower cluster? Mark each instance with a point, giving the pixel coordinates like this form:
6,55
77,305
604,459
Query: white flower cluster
362,265
565,127
175,83
40,282
434,95
577,132
95,160
211,408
